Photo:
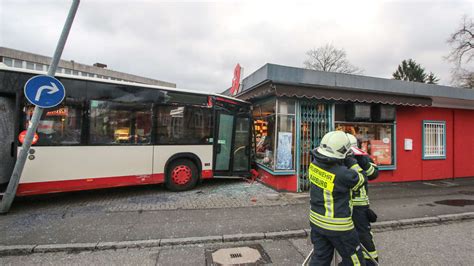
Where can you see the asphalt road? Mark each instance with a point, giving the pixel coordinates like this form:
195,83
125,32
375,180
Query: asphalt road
90,217
446,244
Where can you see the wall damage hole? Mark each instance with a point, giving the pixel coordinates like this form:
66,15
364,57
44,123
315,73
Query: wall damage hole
241,255
456,202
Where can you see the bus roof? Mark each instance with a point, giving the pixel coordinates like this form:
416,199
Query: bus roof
128,83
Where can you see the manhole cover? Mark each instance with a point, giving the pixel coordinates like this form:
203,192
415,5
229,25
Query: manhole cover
244,255
456,202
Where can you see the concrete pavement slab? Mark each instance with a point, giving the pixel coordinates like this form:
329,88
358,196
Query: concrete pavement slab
303,245
146,257
181,256
282,252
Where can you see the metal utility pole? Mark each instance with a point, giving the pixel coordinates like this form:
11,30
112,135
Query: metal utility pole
9,195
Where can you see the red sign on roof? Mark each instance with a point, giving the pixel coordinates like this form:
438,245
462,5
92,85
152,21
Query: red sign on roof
236,80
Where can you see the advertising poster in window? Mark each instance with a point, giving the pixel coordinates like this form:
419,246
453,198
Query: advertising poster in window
284,157
381,151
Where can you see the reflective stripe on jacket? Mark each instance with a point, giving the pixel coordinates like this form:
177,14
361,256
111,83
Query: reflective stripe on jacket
331,190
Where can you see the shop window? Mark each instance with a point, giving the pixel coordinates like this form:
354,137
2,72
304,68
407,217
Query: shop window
275,134
374,127
375,139
434,140
58,126
264,123
178,124
285,142
119,123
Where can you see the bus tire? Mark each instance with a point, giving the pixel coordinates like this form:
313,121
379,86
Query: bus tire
182,175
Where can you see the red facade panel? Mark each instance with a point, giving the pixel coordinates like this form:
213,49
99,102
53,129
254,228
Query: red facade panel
459,145
463,143
279,182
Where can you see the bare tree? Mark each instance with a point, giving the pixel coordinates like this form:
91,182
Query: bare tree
330,59
462,54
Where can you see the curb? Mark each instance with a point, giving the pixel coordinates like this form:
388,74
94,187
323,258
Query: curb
76,247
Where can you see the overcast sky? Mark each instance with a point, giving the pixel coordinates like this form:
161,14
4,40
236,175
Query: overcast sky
197,44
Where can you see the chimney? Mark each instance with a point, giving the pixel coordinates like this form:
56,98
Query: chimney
100,65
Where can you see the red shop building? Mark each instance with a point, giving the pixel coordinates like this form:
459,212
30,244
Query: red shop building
413,131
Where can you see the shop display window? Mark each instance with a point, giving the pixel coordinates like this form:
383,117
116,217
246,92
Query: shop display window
374,127
274,123
375,139
264,123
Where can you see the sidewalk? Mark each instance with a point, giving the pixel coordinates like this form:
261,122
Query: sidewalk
436,245
100,216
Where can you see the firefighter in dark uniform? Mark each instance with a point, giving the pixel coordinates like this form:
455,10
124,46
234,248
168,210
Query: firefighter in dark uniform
362,215
334,176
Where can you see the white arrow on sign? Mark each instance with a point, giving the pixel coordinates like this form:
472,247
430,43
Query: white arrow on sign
52,89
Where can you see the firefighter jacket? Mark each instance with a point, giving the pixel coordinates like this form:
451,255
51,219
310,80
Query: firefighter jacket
360,197
332,184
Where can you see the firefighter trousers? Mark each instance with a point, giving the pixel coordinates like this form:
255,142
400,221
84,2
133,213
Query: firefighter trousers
346,243
362,225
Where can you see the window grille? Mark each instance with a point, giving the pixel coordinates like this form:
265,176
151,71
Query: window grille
434,139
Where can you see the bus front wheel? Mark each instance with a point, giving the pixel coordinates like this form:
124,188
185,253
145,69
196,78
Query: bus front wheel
182,175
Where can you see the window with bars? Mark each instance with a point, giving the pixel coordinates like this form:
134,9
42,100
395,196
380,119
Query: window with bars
434,139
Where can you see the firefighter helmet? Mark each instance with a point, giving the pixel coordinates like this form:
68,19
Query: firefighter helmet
352,140
335,144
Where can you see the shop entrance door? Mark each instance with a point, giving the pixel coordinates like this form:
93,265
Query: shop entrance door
7,139
316,120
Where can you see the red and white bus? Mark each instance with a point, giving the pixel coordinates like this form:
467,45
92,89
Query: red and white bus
112,133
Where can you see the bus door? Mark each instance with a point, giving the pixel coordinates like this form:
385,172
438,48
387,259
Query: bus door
242,145
223,143
7,139
232,143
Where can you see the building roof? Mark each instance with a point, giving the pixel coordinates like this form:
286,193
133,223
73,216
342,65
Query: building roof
98,70
303,83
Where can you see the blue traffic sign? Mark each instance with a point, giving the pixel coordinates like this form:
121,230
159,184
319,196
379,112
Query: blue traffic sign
44,91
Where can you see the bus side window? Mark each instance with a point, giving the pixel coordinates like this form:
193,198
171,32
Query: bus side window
177,124
58,126
119,123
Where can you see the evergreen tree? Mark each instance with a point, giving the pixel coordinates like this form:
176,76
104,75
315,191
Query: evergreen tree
410,71
432,79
